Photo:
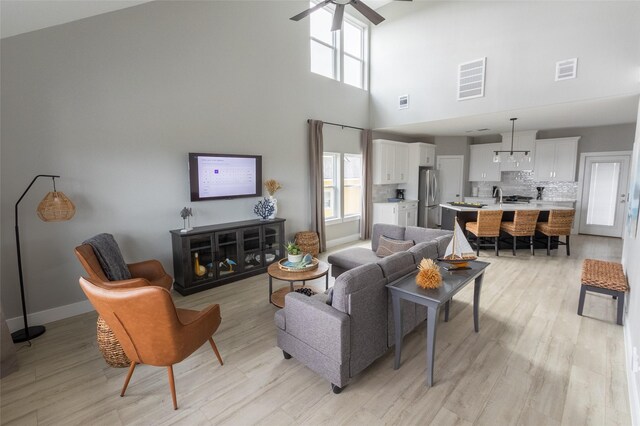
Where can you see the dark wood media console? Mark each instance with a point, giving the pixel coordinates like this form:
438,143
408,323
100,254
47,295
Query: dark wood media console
226,252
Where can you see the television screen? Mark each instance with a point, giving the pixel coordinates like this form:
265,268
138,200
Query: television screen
220,176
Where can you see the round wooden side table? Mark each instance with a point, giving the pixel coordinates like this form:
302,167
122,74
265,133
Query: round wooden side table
274,271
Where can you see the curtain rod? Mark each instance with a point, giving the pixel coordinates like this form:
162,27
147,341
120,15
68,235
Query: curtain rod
340,125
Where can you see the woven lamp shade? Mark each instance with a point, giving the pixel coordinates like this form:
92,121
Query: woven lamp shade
56,207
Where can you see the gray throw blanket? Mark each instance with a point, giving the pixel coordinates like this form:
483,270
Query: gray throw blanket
109,256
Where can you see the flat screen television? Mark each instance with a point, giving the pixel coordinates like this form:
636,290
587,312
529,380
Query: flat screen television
224,176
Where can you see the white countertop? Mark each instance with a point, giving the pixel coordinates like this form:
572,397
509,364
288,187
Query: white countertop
396,202
506,207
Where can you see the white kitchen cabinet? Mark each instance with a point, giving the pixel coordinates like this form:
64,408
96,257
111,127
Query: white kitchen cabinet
401,167
422,154
481,165
522,141
556,160
402,214
390,162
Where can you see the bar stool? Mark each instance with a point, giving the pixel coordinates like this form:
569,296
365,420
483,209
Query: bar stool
559,224
523,225
487,226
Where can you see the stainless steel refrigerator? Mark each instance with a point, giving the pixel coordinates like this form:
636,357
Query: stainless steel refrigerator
429,198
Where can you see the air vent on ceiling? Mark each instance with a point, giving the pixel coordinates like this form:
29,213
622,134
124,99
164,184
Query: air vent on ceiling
403,102
471,79
566,69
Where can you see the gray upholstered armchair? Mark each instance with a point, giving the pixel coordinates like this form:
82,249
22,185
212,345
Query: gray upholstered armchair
339,340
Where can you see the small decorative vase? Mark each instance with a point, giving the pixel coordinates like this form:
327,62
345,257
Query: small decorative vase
294,258
274,201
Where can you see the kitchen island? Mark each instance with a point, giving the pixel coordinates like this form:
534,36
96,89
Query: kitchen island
469,214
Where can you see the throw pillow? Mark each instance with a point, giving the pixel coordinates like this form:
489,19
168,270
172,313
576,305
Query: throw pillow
388,246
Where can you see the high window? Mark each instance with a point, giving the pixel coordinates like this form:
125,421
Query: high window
342,175
340,55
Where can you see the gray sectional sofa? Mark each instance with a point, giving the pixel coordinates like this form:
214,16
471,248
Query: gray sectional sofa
339,338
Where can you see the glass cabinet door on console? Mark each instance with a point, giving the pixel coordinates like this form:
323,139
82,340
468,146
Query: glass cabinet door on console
209,256
226,259
251,243
272,242
200,262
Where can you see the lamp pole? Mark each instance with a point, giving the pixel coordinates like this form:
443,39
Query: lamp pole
27,333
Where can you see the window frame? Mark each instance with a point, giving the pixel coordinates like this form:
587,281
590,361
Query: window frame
339,53
338,167
337,187
343,186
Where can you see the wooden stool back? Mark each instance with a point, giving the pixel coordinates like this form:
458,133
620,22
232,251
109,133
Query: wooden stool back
560,222
489,223
524,223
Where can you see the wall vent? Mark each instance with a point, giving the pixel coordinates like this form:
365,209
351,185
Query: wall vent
471,79
403,102
566,69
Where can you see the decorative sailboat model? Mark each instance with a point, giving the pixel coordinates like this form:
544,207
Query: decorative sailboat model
459,252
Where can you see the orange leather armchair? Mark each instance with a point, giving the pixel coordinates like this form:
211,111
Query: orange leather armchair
149,270
150,328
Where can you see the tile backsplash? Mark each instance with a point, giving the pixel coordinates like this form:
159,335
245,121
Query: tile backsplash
522,183
382,192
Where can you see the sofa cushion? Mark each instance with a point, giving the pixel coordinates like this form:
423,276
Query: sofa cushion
352,257
353,281
397,265
421,235
388,246
428,250
390,231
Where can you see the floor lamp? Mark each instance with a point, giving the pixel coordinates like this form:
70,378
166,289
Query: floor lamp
54,207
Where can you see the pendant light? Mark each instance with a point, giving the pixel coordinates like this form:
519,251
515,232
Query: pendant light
512,158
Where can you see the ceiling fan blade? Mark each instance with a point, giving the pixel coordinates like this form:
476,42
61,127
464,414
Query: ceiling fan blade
369,13
337,18
307,12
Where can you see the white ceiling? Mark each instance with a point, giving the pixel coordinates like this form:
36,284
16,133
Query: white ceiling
599,112
22,16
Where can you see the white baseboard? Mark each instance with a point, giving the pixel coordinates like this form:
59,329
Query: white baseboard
634,394
50,315
343,240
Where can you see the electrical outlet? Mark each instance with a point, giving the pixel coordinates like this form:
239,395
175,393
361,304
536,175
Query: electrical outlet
635,360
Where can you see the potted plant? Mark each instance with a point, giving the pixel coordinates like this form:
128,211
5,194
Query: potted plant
294,252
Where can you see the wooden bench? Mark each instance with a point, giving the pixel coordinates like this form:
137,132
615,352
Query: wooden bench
603,277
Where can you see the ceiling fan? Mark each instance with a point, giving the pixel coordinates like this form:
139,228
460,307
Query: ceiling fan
365,10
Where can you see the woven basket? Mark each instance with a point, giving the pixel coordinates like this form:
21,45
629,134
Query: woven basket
308,242
110,347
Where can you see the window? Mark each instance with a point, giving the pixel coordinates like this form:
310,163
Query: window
340,55
352,185
342,174
331,185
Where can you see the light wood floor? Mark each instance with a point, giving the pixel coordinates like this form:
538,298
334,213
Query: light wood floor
534,362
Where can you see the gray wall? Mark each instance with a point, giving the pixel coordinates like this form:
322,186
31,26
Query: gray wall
417,50
630,256
115,102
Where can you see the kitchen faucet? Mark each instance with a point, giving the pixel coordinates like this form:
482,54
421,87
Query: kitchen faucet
498,189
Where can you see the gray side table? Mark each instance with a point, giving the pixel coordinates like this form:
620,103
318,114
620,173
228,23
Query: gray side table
406,288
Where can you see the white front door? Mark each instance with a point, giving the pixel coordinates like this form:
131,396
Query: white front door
604,194
450,178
